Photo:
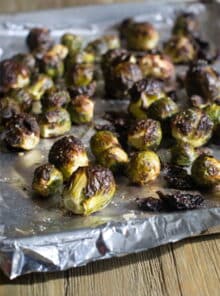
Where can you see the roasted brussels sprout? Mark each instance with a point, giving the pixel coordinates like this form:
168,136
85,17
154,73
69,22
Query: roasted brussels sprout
23,97
81,57
39,86
54,122
68,154
181,49
89,190
47,180
26,59
204,81
124,27
144,167
22,132
186,23
192,126
163,109
13,75
81,109
73,42
156,66
88,90
141,36
55,98
143,94
145,134
213,111
80,75
39,39
102,141
183,154
52,63
206,170
8,108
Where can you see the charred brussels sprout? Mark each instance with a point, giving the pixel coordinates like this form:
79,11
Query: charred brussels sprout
81,57
47,180
54,122
141,36
144,167
101,141
39,86
204,81
206,170
156,66
22,132
192,126
13,75
145,134
9,107
55,98
183,154
39,39
80,75
73,42
23,97
185,24
26,59
81,109
88,90
68,154
163,109
89,190
143,94
181,49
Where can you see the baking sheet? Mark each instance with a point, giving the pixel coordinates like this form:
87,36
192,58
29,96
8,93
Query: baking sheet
36,235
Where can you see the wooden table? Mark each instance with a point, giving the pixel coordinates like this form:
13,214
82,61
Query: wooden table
187,268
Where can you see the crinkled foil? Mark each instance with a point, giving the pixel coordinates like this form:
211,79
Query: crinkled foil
36,235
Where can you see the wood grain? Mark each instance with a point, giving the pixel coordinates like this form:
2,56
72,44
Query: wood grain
190,267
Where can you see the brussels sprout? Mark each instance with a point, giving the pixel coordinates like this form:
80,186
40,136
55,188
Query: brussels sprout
88,90
22,132
73,42
156,66
54,122
213,111
90,189
145,134
181,49
55,98
81,109
80,75
26,59
102,141
113,158
163,109
68,154
39,86
39,39
51,62
141,36
144,167
8,108
206,170
183,154
124,27
47,180
186,23
192,126
143,94
81,57
23,97
203,80
13,75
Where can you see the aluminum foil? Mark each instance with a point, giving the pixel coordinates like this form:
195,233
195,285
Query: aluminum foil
36,235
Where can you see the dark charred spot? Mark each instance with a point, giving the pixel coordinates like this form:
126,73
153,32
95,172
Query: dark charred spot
150,204
55,98
43,172
148,86
205,124
88,90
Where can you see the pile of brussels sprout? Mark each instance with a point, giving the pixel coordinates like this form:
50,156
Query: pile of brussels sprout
52,87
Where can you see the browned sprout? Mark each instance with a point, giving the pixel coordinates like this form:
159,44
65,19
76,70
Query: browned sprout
23,98
68,154
47,180
88,90
183,154
39,39
8,108
163,109
22,132
81,109
73,42
39,86
185,24
28,60
80,75
55,98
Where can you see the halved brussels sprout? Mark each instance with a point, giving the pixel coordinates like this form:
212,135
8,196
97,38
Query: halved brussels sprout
90,189
81,109
143,94
39,39
55,98
39,86
47,180
73,42
163,109
145,134
54,122
186,23
206,170
183,154
68,154
22,132
192,126
144,167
